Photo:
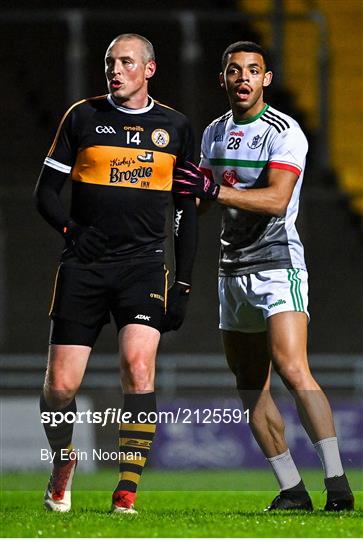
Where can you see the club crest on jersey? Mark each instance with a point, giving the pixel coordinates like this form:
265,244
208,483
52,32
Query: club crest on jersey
230,178
255,143
160,137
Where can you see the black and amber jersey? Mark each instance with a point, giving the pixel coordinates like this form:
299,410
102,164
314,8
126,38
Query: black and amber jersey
121,165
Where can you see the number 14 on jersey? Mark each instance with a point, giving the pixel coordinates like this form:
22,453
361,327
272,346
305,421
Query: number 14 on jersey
133,138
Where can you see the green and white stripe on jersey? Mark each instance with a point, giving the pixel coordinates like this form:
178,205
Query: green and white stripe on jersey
252,164
295,288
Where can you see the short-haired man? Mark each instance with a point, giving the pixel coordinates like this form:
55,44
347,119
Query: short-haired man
252,163
119,150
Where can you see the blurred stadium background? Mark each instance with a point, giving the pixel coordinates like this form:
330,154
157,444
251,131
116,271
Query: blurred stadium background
52,55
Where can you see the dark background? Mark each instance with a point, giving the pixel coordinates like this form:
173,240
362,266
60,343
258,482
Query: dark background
35,93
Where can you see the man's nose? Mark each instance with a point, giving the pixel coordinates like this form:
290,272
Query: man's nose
116,68
245,76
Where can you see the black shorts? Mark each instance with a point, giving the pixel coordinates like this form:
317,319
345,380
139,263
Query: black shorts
85,296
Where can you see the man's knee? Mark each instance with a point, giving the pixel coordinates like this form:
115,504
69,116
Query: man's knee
138,372
295,374
58,397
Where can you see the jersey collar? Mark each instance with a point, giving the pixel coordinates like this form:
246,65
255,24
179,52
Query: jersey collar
131,111
253,118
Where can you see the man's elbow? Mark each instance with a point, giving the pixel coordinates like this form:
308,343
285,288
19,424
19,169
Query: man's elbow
278,209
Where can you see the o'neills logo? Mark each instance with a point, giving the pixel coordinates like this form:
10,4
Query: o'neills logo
132,176
133,128
237,133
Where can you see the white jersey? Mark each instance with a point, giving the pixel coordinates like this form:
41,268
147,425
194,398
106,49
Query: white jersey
238,154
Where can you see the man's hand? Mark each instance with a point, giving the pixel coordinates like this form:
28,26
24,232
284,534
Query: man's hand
87,243
176,308
189,180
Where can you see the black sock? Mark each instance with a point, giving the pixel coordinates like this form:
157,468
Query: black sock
59,436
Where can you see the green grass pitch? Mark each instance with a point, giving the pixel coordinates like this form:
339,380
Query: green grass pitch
174,504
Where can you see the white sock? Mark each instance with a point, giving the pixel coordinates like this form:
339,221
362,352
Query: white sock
285,470
328,452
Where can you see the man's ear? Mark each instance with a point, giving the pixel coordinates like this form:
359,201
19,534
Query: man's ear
221,80
267,78
150,69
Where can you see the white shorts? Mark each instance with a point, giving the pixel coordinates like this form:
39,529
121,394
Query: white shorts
247,301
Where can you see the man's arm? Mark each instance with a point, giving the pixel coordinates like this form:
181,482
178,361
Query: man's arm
272,200
285,164
185,246
87,243
47,197
185,238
